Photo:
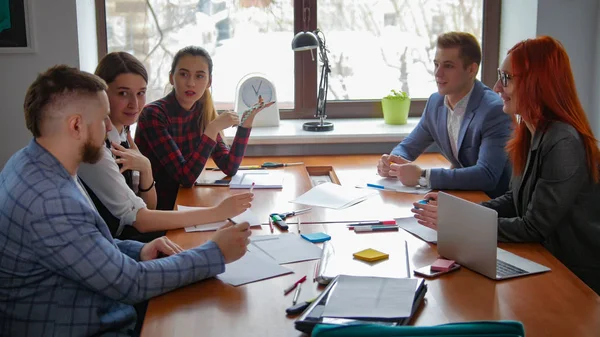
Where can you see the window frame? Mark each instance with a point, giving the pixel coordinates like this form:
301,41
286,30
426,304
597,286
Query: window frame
305,69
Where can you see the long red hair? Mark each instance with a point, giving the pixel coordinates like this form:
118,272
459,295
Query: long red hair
546,92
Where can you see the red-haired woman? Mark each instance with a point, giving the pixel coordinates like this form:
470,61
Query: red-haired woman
554,191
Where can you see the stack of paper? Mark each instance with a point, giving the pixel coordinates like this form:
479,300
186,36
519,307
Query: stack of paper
254,266
247,216
371,297
333,196
260,178
286,248
393,184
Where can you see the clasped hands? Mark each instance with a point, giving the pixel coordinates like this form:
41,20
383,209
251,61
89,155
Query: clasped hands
395,166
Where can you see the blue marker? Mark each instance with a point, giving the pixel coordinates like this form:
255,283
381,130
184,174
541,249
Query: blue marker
422,202
381,187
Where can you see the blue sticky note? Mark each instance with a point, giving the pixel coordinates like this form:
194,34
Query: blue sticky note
316,237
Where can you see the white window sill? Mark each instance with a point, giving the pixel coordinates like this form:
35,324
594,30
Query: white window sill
351,130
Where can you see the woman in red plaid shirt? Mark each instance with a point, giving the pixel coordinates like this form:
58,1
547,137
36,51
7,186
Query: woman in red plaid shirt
179,132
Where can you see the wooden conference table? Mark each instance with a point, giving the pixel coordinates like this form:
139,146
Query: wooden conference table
550,304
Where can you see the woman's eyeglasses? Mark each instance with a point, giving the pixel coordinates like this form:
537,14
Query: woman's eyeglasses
503,77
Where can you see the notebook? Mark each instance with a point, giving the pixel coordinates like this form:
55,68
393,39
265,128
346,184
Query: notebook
260,178
317,312
247,216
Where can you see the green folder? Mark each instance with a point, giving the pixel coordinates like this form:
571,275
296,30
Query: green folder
466,329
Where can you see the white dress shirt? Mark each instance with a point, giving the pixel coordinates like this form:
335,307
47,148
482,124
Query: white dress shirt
110,187
454,121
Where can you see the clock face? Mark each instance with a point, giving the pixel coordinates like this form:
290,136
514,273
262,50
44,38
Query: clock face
254,87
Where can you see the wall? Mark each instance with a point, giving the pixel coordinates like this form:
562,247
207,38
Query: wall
574,23
55,33
517,25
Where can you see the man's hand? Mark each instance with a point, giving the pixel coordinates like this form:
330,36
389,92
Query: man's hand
232,240
156,247
383,166
426,214
235,205
408,174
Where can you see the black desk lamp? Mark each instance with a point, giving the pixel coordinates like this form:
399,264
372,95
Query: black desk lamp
308,41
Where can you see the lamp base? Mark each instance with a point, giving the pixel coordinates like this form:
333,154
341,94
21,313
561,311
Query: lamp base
316,126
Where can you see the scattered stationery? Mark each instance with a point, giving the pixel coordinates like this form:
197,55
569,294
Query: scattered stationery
247,216
412,226
260,179
379,228
371,297
286,248
316,237
442,265
333,196
393,184
254,266
370,255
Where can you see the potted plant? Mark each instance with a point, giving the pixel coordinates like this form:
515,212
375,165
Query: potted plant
395,107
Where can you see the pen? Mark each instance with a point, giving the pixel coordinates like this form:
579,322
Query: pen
372,223
296,294
380,187
293,286
252,187
233,222
361,229
299,226
250,167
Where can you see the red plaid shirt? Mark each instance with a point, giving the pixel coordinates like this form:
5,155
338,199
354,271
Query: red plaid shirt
170,137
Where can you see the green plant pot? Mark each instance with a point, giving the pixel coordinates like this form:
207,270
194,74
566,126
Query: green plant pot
395,111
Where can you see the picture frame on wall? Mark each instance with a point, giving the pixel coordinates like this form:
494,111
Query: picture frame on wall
16,26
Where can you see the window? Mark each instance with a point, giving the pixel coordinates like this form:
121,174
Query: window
374,45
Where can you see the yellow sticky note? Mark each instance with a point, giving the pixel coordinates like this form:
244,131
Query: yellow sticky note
370,255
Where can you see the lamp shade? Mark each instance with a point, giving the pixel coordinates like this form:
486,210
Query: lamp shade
305,41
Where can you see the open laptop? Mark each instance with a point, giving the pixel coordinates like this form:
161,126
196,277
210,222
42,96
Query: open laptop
468,234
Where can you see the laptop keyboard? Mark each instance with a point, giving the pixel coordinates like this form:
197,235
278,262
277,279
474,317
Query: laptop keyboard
504,269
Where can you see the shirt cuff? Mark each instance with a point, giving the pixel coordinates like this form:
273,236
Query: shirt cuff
427,176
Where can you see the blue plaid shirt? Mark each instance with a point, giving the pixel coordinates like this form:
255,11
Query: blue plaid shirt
61,273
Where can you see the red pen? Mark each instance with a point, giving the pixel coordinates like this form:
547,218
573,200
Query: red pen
293,286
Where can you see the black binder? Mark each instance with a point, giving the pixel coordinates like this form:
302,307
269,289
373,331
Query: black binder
312,315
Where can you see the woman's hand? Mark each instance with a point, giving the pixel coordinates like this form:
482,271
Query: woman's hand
248,115
426,214
235,204
132,158
223,121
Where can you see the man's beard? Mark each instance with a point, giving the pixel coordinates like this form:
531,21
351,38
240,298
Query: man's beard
91,153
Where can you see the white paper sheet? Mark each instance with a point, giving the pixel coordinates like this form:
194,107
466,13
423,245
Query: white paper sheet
247,216
333,196
286,248
390,183
412,226
253,266
260,178
371,297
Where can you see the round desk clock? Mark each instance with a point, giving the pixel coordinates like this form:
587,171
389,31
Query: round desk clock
250,90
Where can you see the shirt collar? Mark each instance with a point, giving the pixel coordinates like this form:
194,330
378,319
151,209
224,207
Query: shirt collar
114,136
462,104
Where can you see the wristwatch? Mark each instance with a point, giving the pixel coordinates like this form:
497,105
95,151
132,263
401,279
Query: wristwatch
423,178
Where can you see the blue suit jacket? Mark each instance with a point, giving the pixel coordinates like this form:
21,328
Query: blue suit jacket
482,160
